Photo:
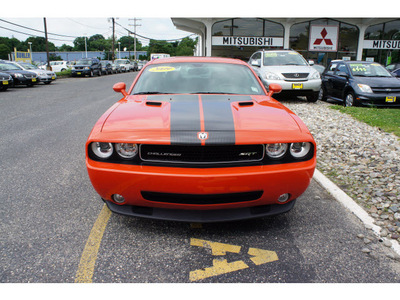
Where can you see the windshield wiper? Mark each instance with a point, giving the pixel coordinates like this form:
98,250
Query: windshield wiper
150,93
211,93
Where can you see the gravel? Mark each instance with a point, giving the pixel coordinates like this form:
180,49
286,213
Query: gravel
362,160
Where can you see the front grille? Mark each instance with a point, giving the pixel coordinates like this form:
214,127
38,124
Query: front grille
201,199
29,76
295,75
386,90
201,154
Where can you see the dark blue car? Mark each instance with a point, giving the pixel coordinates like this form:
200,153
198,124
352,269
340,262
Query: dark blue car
360,83
6,81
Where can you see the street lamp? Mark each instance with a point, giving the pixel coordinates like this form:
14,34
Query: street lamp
30,50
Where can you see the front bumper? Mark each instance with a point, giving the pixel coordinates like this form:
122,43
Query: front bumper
374,99
299,88
25,81
80,72
185,186
201,216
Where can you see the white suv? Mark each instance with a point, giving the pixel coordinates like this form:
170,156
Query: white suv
290,70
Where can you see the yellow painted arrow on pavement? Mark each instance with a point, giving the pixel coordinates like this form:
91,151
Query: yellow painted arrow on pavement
221,265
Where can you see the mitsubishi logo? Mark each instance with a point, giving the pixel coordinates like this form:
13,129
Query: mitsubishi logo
202,135
324,33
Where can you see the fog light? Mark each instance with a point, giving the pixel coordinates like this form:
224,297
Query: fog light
118,198
283,198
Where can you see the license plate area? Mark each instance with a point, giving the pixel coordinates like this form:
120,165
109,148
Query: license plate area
391,99
297,86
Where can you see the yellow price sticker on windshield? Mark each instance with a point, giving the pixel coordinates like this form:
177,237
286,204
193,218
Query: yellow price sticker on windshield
162,69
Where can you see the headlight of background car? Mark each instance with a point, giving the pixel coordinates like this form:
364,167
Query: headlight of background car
18,75
87,68
365,88
276,151
126,150
272,76
315,76
299,150
102,150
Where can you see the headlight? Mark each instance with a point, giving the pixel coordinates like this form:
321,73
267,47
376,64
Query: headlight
126,150
276,151
18,75
365,88
87,68
315,76
102,150
299,150
270,75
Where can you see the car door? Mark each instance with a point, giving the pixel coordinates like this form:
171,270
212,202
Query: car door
327,79
340,80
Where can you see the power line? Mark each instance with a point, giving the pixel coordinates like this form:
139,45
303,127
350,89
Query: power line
29,28
34,34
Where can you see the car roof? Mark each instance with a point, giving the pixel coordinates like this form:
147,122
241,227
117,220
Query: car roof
203,59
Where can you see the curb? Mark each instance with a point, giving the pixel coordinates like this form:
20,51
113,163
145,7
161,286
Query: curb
351,205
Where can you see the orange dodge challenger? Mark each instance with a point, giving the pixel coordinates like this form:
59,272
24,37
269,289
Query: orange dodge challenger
199,139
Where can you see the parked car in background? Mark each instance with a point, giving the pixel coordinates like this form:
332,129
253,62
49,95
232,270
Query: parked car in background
6,81
19,76
288,69
105,67
140,65
126,65
393,67
360,83
396,73
116,68
86,66
190,129
44,76
57,66
319,68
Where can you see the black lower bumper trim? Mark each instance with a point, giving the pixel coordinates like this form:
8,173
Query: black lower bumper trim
201,216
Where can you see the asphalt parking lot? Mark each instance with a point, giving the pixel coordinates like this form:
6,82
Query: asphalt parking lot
55,228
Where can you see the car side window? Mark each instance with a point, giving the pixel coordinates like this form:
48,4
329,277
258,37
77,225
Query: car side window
342,69
256,58
331,69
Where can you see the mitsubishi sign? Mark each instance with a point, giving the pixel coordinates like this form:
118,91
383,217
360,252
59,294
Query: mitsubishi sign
323,38
240,41
382,44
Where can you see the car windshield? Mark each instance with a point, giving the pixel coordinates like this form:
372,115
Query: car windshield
197,78
283,59
9,67
84,62
28,66
368,70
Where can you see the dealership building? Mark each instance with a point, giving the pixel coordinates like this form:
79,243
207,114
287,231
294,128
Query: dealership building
317,39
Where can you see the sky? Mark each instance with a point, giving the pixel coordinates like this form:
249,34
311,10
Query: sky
156,28
88,17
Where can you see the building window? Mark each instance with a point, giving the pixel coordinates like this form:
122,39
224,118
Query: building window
247,27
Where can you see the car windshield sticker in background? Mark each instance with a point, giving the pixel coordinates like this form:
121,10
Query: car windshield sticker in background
162,69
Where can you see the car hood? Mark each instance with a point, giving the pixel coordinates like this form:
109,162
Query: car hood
288,69
388,82
178,119
20,72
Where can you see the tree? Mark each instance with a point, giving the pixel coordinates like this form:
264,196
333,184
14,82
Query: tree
79,44
128,42
4,51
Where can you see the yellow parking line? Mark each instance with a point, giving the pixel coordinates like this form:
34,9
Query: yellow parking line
89,255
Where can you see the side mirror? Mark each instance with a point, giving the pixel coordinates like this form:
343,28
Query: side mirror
255,63
274,88
120,87
311,62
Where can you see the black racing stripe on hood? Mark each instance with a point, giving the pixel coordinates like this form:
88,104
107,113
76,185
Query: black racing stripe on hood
185,119
218,118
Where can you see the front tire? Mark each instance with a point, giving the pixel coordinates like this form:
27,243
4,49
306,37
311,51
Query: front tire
349,100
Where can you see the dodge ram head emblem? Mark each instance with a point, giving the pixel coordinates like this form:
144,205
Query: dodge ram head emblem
202,135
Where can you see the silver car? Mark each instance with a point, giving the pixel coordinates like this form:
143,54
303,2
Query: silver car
45,76
290,70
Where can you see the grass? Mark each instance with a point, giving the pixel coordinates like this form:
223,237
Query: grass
387,119
66,73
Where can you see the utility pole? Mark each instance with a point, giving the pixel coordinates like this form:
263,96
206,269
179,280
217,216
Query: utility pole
113,39
134,33
47,45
